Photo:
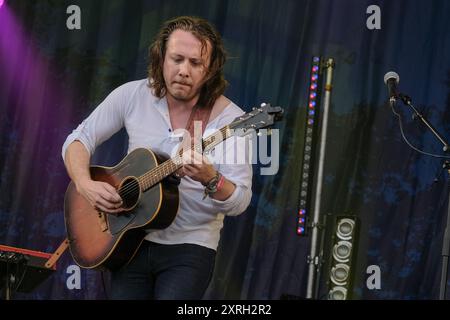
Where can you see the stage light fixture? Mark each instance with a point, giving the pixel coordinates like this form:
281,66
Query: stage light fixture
339,274
342,258
342,251
345,228
307,175
337,293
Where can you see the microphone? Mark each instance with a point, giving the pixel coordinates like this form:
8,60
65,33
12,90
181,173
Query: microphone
391,79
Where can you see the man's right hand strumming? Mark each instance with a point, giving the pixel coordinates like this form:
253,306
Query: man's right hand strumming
101,195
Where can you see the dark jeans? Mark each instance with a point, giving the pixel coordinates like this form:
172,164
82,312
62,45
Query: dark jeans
159,271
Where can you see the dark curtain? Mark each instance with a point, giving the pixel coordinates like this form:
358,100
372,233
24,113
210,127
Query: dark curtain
52,78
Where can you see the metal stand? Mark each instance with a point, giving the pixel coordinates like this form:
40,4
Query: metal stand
315,255
445,249
10,261
10,285
446,240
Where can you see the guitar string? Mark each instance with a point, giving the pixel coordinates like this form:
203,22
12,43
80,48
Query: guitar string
148,178
154,175
143,180
171,165
165,169
158,173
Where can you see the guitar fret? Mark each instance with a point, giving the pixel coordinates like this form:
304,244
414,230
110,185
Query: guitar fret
156,174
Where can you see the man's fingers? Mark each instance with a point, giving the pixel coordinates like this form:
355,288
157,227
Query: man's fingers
106,204
112,194
107,210
190,169
179,173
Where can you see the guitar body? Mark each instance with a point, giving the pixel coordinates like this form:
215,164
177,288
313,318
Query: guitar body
100,240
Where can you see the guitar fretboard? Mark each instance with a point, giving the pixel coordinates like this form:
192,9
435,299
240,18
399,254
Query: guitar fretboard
155,175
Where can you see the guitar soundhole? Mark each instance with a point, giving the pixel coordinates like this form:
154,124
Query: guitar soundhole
129,192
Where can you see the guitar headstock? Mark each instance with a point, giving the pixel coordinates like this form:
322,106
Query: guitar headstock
259,118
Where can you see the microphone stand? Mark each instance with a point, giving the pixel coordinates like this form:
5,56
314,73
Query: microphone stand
446,240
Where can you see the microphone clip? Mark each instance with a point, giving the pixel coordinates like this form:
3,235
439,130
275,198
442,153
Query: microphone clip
405,98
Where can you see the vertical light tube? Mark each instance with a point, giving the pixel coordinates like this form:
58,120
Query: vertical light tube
315,256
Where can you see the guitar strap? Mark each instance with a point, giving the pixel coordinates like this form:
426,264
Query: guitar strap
197,114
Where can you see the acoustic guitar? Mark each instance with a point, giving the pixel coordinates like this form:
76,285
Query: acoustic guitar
100,240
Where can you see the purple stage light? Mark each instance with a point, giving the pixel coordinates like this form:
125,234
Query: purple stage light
1,3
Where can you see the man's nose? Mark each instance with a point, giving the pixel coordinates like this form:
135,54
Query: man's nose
184,70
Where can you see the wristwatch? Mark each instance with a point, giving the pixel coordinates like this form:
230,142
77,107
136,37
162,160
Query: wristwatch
211,186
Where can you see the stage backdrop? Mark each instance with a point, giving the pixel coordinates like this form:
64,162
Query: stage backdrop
52,77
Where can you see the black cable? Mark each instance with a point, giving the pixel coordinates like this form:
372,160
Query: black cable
409,143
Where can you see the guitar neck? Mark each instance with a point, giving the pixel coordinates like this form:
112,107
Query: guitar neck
155,175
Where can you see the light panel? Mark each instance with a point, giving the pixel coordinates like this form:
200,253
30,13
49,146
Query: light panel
306,177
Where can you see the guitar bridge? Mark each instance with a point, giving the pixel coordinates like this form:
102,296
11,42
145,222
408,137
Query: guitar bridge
102,221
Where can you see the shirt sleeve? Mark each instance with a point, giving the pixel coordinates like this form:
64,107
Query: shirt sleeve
102,123
235,165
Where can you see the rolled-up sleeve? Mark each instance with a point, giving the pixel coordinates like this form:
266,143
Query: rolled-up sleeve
236,168
102,123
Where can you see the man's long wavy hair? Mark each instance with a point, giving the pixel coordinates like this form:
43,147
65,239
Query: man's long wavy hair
215,84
